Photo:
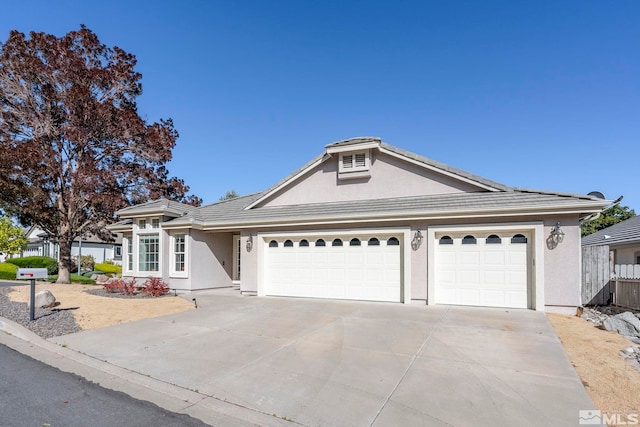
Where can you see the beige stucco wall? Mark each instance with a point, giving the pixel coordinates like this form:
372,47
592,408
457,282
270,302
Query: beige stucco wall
418,259
562,265
211,260
249,264
390,177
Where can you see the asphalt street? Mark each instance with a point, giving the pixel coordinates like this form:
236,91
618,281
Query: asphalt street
35,394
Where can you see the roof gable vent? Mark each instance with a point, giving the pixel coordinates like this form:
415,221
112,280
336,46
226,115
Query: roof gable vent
354,165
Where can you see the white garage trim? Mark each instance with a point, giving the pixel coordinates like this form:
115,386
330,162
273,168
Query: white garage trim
263,239
536,272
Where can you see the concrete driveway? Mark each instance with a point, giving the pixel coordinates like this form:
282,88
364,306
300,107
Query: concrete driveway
338,363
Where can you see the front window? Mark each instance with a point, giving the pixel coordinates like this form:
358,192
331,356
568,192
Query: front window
179,252
142,224
149,251
155,223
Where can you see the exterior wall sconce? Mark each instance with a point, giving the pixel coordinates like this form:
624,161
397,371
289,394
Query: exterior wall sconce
249,243
557,235
416,241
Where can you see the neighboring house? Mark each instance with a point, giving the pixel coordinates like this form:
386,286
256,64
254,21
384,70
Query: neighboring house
40,244
368,221
622,238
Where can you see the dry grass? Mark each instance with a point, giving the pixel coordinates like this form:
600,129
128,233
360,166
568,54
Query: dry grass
93,312
612,382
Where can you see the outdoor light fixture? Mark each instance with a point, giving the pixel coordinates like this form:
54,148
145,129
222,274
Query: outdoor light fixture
416,241
249,243
557,235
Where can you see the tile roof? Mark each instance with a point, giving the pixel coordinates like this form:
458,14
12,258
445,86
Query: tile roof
495,199
232,212
432,163
156,206
623,232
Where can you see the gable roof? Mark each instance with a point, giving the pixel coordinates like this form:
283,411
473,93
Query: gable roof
491,200
372,142
623,232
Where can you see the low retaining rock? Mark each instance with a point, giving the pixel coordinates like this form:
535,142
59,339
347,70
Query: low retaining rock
45,299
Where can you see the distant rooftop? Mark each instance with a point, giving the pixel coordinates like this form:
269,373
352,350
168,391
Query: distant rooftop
623,232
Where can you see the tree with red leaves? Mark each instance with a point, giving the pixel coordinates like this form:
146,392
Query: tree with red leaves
73,148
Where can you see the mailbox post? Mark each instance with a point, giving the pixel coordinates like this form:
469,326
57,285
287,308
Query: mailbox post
32,274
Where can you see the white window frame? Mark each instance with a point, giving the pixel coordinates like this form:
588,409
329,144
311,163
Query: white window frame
348,167
143,226
155,223
127,252
158,271
172,250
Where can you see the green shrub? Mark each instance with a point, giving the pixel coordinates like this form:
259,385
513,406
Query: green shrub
109,268
36,262
74,279
8,271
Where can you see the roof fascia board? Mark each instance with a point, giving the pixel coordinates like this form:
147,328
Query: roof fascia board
120,228
286,183
441,171
353,147
395,217
193,225
158,211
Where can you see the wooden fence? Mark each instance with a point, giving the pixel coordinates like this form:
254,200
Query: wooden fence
626,286
597,265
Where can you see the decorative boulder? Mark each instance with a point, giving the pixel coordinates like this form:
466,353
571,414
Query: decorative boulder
101,278
624,323
45,299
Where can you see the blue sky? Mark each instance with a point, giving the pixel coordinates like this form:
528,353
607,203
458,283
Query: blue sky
539,94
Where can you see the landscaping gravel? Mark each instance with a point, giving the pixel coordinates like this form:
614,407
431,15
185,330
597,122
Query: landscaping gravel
49,322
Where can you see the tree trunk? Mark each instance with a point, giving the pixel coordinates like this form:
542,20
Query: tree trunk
64,267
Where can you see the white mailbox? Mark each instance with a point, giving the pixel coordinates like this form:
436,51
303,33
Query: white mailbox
32,273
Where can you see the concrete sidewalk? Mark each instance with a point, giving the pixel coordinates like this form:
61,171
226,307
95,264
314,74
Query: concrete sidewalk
266,361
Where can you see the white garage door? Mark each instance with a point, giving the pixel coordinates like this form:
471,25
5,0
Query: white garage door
342,267
483,269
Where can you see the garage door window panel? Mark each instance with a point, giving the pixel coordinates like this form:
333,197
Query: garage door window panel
493,240
518,238
445,240
469,240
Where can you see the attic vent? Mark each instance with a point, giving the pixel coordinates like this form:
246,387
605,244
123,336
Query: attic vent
347,161
354,165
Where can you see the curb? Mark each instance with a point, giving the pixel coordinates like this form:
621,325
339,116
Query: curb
171,397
